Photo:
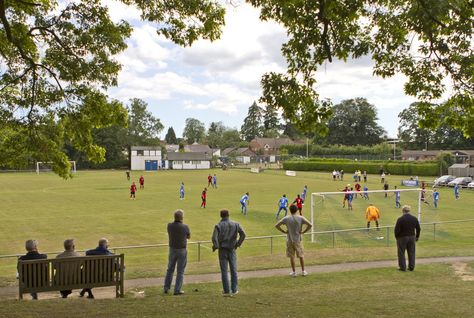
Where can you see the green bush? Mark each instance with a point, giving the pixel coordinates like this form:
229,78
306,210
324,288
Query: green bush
373,167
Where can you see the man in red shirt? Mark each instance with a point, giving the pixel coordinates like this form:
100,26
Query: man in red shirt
299,204
203,198
346,195
133,189
142,182
357,188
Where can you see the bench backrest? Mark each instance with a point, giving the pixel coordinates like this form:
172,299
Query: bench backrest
70,273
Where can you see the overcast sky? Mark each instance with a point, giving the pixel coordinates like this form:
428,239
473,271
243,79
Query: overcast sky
218,81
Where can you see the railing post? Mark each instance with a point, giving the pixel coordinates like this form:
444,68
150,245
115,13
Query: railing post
333,239
434,231
271,245
199,251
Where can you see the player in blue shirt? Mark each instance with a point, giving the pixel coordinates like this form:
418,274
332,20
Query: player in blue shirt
181,191
214,181
397,198
366,194
435,198
282,205
303,194
244,202
456,191
350,197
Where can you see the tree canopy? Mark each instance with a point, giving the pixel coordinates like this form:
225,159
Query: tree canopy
194,130
57,61
252,126
170,137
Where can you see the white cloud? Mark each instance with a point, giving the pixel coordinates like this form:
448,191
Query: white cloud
120,11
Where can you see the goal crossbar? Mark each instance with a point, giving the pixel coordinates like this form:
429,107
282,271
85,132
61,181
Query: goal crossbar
419,190
39,163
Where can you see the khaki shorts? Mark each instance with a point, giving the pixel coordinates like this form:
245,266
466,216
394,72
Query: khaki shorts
293,248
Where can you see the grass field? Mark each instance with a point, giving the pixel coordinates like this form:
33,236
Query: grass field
429,291
96,204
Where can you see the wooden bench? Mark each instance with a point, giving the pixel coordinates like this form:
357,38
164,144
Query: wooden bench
58,274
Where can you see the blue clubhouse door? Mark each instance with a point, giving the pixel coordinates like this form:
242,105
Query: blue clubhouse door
151,165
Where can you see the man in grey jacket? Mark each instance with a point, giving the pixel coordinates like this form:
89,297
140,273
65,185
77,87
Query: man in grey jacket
224,238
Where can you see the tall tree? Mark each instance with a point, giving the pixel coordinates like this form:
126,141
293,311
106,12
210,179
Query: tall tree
415,137
170,137
252,126
143,127
57,62
270,122
215,134
194,130
354,122
384,30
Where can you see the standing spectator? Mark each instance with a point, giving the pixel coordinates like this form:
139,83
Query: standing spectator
203,198
133,189
294,229
396,193
214,181
342,175
282,205
365,176
244,201
101,249
382,177
69,251
435,198
31,247
224,239
142,182
178,234
372,214
407,232
127,173
299,204
209,180
181,191
334,173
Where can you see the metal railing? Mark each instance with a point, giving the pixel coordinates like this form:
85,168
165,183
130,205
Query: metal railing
333,234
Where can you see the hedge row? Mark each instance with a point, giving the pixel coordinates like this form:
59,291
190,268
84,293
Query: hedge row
358,150
392,167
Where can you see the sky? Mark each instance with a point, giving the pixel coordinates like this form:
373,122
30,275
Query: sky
218,81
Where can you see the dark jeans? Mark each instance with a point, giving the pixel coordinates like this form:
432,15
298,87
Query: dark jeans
176,256
228,259
406,243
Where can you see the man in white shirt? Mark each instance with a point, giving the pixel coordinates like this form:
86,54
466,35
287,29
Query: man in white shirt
294,230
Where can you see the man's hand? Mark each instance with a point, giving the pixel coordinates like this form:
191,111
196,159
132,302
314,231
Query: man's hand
214,248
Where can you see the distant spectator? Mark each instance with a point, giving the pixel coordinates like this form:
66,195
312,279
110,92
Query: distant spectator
365,176
224,239
294,230
178,234
69,251
102,249
385,187
31,247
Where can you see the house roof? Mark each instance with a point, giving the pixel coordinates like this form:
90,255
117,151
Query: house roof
188,156
197,148
459,165
172,148
274,142
146,148
227,151
436,152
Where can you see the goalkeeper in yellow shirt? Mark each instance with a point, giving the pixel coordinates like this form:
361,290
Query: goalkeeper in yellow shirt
372,214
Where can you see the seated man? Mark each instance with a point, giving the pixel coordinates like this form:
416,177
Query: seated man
68,252
31,247
102,249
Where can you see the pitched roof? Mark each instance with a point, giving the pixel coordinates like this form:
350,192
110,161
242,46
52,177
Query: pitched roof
197,148
146,148
274,142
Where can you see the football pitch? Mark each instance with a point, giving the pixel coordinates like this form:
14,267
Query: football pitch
96,204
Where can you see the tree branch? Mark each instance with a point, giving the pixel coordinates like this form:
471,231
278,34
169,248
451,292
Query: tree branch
29,3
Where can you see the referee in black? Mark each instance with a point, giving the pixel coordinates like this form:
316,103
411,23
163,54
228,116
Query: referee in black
407,232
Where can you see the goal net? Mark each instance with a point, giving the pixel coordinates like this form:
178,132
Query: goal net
330,211
42,166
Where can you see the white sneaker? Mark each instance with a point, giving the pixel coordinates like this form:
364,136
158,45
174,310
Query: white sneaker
304,273
293,274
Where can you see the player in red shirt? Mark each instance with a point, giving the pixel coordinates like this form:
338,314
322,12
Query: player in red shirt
142,182
209,181
357,188
203,198
346,195
133,189
299,204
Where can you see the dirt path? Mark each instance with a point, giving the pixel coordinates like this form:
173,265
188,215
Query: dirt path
135,285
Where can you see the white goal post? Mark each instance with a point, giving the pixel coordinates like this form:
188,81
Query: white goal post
322,196
41,166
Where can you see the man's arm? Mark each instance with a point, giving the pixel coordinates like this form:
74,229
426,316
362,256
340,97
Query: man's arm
308,225
418,230
188,234
215,235
396,231
278,227
241,236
